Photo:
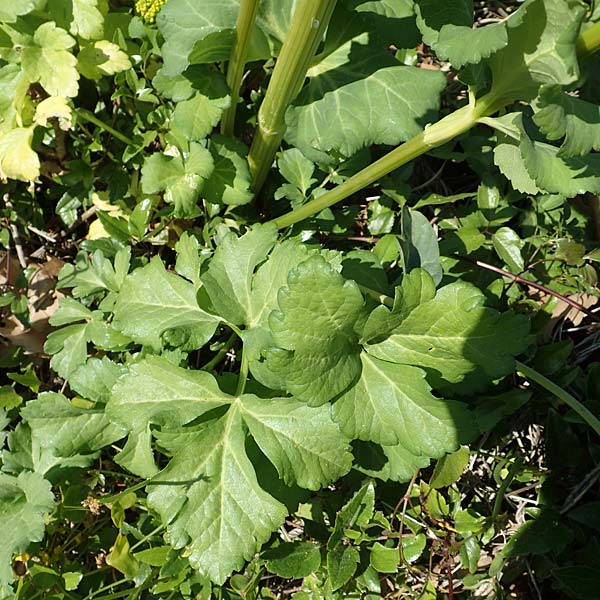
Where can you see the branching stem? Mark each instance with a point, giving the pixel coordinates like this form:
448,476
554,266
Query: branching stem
306,31
445,130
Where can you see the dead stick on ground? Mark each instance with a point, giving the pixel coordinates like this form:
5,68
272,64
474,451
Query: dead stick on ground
15,234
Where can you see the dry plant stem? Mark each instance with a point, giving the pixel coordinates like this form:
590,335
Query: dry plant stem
561,394
237,61
306,31
15,235
532,284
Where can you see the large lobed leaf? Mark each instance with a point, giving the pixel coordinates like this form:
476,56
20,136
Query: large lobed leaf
456,339
208,495
153,301
317,353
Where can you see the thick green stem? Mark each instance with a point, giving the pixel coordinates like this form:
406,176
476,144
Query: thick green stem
562,395
88,116
306,31
237,61
434,135
588,41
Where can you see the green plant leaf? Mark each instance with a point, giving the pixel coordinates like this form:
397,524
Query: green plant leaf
17,159
188,258
230,182
559,115
196,117
49,61
228,279
210,499
383,559
449,468
355,99
26,500
202,32
317,353
86,20
296,169
555,175
181,178
392,404
293,560
417,287
456,339
153,301
540,49
156,391
508,246
9,11
419,245
447,29
341,565
310,458
102,58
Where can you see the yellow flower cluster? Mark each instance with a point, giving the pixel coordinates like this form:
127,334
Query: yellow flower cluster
148,9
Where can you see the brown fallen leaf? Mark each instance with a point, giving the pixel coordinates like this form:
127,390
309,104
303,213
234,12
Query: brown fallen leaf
42,299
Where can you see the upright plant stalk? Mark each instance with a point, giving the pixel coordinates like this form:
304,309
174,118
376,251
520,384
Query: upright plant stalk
443,131
306,31
237,61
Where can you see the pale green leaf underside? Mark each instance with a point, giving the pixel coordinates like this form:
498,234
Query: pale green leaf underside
153,301
456,339
345,109
540,49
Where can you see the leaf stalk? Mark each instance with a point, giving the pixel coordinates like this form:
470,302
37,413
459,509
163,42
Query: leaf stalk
86,115
562,395
237,61
437,134
306,31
